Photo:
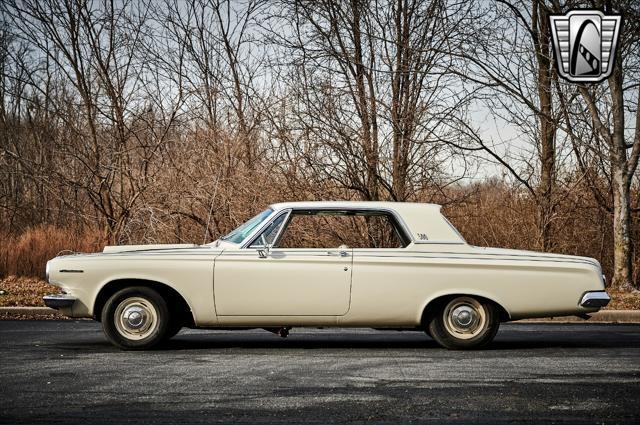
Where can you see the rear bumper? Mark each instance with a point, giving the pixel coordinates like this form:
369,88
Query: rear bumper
595,299
59,301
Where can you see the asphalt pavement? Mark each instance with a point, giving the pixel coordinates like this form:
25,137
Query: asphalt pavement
66,372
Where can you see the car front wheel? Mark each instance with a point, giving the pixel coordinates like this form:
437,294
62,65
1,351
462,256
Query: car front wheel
135,318
464,323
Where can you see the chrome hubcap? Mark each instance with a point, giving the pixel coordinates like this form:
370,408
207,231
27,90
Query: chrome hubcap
464,317
136,318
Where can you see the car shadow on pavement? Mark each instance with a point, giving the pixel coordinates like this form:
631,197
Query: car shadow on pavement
383,342
193,342
209,343
371,341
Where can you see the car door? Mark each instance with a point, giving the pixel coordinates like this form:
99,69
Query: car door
287,282
282,281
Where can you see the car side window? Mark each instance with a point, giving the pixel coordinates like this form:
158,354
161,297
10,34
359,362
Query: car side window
269,234
331,229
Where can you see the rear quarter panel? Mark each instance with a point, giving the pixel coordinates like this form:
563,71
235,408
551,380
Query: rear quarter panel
392,288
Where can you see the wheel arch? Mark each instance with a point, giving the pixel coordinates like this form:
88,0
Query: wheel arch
175,301
432,305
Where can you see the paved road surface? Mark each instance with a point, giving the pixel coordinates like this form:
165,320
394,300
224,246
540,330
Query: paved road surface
66,372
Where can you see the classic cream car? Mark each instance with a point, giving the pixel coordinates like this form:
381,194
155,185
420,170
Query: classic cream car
343,264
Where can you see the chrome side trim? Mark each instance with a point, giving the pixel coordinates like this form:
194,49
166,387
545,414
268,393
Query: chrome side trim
436,242
59,301
595,299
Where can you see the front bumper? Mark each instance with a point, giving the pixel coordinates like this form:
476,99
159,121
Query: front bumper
59,301
595,299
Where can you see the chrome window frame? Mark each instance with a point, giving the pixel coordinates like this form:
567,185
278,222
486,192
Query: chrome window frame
254,236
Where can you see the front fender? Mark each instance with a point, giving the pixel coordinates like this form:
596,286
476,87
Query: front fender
192,278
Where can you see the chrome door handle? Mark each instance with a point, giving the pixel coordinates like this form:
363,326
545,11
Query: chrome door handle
340,253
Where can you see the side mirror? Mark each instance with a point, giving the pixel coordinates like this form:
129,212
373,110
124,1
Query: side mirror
264,251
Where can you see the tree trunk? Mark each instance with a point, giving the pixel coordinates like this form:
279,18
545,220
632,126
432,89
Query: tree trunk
621,186
396,100
548,128
621,230
369,143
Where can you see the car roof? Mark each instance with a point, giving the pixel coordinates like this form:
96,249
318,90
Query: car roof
397,206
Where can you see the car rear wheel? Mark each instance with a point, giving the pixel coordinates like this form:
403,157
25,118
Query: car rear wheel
135,318
464,323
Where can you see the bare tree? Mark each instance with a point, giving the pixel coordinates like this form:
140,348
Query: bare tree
217,37
611,113
95,49
509,58
368,91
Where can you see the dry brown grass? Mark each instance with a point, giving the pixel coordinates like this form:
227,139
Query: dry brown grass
624,300
53,315
28,253
24,291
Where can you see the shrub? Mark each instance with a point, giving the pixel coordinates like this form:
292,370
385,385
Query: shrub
28,253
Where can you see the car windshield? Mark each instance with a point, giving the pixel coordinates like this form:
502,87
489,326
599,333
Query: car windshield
240,233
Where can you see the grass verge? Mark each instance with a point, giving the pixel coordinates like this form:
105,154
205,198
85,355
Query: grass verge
24,291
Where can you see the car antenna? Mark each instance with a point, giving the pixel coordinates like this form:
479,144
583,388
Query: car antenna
213,198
